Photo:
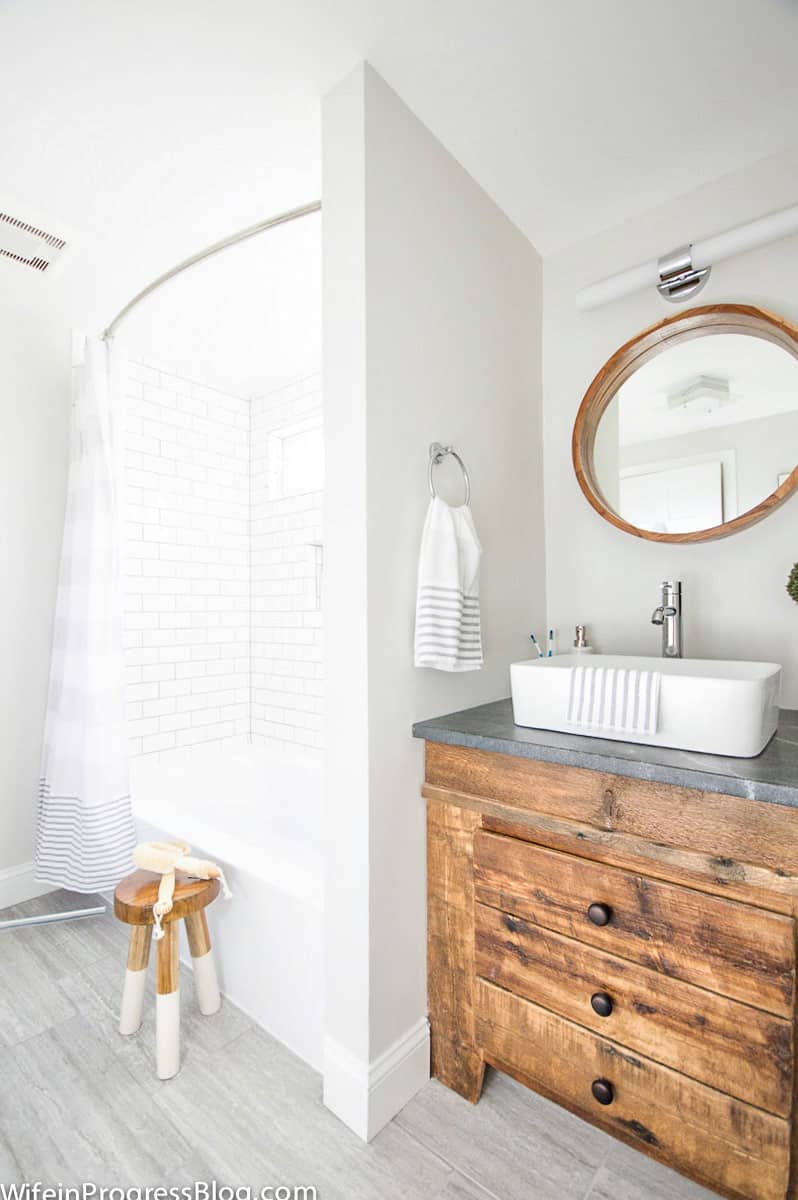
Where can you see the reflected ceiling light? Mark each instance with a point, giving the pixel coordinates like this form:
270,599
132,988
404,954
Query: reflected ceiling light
701,393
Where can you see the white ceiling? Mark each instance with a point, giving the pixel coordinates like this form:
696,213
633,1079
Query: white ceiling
153,126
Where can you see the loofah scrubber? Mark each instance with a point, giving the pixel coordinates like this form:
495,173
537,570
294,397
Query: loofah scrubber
164,858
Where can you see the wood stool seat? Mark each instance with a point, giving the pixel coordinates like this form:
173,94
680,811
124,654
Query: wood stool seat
133,904
136,894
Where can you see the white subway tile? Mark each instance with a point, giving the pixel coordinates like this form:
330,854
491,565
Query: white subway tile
205,716
157,741
158,673
171,724
158,708
205,536
144,727
175,654
175,688
141,550
189,670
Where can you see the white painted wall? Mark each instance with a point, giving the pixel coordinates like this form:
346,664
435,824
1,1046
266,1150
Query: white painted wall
34,412
734,597
432,332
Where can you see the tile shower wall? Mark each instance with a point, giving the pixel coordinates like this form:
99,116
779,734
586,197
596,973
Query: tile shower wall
187,562
287,558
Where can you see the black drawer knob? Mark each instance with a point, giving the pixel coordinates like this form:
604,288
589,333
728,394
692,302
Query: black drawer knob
601,1004
603,1091
599,914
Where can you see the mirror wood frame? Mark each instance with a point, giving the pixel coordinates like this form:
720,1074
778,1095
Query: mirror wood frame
696,322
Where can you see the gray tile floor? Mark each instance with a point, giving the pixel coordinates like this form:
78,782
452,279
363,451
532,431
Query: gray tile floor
79,1103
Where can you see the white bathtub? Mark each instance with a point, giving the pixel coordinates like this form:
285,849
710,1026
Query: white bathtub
258,814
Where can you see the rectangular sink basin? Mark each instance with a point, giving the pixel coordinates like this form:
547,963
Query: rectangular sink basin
728,708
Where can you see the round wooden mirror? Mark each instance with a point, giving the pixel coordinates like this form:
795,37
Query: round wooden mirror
690,431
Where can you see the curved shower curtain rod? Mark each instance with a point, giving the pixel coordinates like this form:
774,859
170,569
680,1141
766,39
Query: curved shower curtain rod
242,236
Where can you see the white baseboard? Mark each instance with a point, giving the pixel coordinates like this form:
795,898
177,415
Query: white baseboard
366,1097
18,884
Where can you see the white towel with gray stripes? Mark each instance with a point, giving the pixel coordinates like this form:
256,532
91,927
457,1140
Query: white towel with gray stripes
448,631
618,699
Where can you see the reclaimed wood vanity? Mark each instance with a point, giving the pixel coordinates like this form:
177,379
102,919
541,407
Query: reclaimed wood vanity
620,936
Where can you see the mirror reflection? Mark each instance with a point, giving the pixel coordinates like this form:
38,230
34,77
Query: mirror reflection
700,433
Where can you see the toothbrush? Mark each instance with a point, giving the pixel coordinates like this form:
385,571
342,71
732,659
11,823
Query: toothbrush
537,646
551,643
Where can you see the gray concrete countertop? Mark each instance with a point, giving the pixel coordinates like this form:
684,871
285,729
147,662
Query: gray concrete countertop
771,777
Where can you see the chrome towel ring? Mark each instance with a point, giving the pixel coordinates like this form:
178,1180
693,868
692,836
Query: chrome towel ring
437,453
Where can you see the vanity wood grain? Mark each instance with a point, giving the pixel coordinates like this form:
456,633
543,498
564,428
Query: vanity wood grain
728,832
738,1146
720,944
731,1046
699,957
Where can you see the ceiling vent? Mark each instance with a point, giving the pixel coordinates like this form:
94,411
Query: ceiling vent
27,244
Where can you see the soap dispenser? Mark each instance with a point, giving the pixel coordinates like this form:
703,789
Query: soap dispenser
580,641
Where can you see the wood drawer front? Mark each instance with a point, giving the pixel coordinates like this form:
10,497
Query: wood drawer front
722,945
728,1045
698,1130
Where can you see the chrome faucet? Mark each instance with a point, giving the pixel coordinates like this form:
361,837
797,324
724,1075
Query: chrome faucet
668,614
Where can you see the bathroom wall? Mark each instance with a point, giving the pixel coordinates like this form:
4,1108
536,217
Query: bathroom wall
287,563
432,332
734,597
187,571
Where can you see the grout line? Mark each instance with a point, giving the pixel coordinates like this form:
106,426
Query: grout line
455,1169
597,1172
458,1169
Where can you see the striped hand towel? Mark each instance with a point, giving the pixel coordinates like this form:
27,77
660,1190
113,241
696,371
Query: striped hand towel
618,699
448,634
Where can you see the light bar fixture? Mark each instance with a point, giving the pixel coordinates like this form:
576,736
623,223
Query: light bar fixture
683,272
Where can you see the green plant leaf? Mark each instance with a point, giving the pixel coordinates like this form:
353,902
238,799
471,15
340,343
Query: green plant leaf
792,583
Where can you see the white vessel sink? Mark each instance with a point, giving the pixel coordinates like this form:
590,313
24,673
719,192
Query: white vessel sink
728,708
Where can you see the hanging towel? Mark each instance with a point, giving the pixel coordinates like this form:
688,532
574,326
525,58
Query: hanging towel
618,699
448,633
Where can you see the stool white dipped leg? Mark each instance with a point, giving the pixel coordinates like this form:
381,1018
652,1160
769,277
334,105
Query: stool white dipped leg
138,956
205,981
167,1003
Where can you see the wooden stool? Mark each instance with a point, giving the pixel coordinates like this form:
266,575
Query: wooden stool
133,901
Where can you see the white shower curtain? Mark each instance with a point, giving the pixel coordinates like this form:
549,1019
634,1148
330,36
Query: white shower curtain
85,824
